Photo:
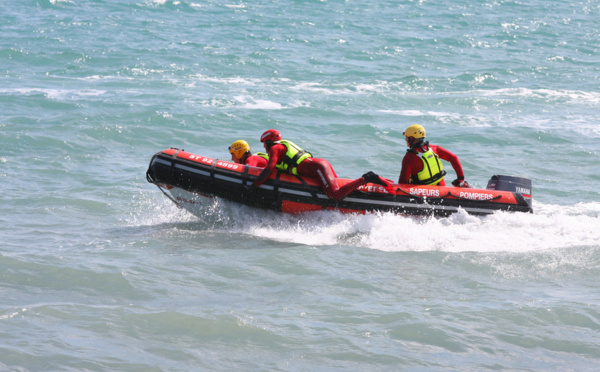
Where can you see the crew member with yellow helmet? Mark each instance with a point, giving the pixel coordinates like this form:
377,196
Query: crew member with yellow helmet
290,158
421,164
240,153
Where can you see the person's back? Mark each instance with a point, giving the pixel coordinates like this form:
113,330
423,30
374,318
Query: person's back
288,157
260,159
421,164
241,154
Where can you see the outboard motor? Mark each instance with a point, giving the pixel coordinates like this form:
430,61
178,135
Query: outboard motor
510,183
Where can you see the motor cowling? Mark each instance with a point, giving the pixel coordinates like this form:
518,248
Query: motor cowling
513,184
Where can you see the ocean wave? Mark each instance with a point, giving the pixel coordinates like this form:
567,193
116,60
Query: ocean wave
548,95
54,93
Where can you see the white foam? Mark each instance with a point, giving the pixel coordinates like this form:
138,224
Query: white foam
55,93
236,6
248,102
550,227
232,80
573,96
438,114
152,210
258,104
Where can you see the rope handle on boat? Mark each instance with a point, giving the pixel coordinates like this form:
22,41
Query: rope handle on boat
213,166
276,182
307,187
174,157
152,181
246,178
169,196
176,152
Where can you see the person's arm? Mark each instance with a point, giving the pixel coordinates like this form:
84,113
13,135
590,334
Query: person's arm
450,157
406,169
274,154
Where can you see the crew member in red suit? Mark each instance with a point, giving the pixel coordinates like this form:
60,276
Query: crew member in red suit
240,153
288,157
421,164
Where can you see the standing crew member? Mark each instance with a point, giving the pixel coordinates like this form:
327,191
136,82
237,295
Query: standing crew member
240,153
288,157
421,164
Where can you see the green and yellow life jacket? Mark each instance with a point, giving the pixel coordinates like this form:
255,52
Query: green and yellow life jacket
293,157
263,155
432,172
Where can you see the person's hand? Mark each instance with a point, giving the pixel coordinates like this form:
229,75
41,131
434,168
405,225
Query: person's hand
460,183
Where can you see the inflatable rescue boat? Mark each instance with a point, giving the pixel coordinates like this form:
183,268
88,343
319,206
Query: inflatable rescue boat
188,178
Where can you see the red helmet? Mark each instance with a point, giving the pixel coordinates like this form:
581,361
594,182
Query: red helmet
270,135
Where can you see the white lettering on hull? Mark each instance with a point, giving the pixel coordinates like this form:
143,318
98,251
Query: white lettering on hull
374,188
476,195
424,192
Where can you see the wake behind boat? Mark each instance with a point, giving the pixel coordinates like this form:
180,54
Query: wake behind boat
186,178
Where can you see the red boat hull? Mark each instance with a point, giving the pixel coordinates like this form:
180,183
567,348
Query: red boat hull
184,173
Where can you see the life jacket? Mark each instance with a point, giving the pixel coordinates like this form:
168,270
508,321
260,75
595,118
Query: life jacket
248,155
432,172
263,155
260,159
293,157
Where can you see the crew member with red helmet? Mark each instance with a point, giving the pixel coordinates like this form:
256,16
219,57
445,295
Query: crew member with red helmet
288,157
421,164
240,153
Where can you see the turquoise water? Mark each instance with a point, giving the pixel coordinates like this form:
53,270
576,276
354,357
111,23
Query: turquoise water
99,271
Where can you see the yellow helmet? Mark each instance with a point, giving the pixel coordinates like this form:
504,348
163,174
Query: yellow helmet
415,130
239,148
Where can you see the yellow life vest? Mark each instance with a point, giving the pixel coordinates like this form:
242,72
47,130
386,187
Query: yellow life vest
263,155
432,172
293,157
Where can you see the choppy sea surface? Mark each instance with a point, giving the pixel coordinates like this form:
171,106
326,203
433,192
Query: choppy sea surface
100,272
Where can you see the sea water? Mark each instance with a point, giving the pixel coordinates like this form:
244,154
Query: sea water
100,272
